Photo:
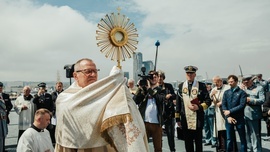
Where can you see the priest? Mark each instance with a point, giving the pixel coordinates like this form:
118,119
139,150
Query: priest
99,115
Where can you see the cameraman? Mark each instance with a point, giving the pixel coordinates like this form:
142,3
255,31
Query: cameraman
149,100
168,109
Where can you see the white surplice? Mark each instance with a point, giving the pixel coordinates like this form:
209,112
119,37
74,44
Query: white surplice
34,141
26,117
102,113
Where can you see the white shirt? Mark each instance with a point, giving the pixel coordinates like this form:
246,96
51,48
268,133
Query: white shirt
151,111
34,141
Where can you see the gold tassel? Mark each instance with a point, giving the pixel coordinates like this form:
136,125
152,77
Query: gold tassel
113,121
116,120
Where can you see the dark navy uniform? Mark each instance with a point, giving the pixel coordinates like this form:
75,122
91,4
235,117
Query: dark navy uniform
5,107
8,103
44,100
202,100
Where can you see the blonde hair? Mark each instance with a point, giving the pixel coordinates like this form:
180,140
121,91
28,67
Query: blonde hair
42,112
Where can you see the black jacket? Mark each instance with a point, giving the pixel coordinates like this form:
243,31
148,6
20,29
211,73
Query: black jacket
44,101
54,97
203,97
141,98
168,105
8,104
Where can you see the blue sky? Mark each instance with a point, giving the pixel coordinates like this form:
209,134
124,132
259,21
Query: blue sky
38,37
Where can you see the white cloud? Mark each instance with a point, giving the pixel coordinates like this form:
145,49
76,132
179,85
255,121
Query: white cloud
42,39
213,35
37,40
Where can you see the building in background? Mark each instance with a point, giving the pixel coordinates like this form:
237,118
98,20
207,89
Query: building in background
148,65
138,63
126,74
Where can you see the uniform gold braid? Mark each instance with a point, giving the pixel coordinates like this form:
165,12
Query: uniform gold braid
204,105
177,115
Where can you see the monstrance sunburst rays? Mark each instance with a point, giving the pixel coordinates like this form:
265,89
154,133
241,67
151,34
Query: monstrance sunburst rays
117,37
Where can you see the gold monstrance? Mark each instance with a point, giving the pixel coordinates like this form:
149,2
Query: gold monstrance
117,37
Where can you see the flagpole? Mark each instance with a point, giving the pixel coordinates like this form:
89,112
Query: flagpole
157,44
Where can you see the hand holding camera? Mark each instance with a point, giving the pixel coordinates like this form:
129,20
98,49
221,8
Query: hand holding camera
144,81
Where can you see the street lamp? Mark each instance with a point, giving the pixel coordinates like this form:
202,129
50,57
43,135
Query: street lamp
157,44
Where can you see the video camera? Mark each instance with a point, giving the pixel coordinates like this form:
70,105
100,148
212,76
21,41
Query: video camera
144,78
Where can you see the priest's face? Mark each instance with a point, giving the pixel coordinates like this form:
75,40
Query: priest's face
217,82
26,91
86,73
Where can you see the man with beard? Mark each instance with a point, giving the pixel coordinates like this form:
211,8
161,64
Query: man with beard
233,104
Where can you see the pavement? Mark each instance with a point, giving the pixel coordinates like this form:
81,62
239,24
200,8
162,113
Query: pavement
11,140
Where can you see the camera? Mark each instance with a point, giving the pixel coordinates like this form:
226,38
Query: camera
144,78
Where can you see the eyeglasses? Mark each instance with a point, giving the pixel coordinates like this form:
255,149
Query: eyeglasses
88,71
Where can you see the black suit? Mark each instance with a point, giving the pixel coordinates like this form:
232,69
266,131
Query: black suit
54,97
168,113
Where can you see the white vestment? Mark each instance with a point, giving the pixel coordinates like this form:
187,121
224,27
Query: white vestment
191,116
34,141
220,121
99,114
26,117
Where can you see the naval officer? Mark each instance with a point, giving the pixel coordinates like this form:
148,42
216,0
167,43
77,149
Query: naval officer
191,101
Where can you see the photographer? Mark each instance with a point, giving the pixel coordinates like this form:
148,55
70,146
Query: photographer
149,100
168,109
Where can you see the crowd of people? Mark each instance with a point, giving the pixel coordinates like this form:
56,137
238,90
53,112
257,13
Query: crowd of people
113,114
